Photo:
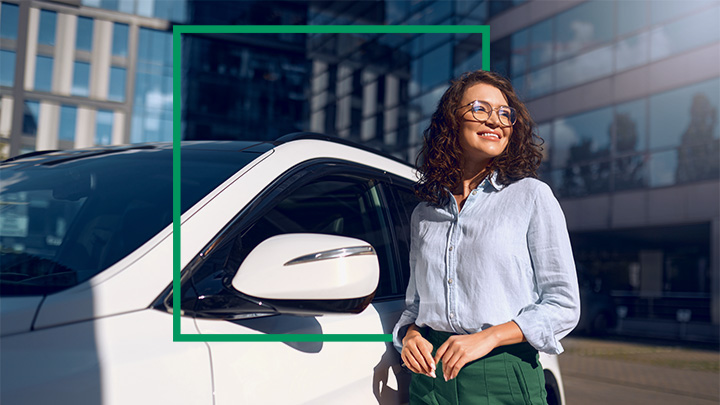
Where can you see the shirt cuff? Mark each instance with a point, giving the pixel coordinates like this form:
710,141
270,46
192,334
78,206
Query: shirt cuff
537,332
401,329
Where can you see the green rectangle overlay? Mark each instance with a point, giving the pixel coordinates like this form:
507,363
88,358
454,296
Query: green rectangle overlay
178,30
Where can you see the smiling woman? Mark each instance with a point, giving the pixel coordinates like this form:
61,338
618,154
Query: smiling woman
492,277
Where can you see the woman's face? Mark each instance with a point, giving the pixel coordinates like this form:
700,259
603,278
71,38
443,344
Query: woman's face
482,141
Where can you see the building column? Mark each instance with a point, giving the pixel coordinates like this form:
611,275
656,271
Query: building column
64,54
100,65
85,127
31,48
118,128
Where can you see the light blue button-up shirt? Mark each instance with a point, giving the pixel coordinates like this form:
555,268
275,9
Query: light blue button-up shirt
505,256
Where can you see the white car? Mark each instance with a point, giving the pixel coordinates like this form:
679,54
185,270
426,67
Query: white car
86,244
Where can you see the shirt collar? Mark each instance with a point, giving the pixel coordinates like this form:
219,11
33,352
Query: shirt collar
492,180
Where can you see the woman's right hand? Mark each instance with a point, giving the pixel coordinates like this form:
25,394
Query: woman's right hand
417,353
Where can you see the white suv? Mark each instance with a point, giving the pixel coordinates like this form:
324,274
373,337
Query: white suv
86,276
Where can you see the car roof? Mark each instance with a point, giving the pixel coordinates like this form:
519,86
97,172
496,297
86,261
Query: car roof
51,157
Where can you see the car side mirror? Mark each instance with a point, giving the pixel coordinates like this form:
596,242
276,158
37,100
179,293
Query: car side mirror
310,274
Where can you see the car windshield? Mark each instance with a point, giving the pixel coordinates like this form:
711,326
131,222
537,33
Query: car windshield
67,216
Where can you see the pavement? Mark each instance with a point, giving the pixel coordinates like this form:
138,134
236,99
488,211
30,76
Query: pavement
622,372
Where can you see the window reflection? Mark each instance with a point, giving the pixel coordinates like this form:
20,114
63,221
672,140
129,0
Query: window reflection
7,68
630,172
633,51
577,181
688,33
662,168
31,117
629,126
685,116
539,82
46,28
120,39
520,52
81,79
117,84
84,36
436,67
68,120
584,68
631,16
583,26
541,43
43,73
8,20
581,137
103,127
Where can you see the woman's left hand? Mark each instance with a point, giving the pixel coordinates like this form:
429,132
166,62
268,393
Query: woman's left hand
459,350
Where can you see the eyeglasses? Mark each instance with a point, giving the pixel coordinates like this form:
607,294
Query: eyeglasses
482,111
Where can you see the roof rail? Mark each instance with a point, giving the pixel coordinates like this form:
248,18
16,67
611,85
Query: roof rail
322,137
30,154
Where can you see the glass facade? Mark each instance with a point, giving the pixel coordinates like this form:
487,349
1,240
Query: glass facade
8,20
578,46
43,73
81,79
31,117
47,27
68,122
103,127
84,36
120,40
152,104
117,84
7,68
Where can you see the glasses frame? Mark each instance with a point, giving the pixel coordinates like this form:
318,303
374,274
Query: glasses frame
498,109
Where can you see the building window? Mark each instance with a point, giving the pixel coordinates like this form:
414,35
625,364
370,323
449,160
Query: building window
117,84
46,30
81,79
7,68
8,20
103,127
120,40
31,116
43,73
84,34
68,121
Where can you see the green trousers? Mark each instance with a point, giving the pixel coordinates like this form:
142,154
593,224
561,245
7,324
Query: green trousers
507,375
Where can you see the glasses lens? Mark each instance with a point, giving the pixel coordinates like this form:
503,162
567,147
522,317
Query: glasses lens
481,110
507,116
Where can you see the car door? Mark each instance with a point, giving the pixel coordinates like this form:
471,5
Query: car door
327,197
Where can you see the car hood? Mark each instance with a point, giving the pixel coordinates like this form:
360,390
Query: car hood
17,314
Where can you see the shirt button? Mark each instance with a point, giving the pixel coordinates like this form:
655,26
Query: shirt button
451,248
450,281
474,192
452,315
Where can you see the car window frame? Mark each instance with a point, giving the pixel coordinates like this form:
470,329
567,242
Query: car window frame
282,186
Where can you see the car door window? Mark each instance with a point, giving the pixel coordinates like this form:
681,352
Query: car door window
351,206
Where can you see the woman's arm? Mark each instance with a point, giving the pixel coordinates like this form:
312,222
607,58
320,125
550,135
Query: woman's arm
459,350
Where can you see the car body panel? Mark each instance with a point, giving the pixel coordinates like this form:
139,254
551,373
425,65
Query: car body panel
122,359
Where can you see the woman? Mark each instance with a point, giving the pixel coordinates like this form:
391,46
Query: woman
492,274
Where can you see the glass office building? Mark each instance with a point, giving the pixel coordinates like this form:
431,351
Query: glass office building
626,95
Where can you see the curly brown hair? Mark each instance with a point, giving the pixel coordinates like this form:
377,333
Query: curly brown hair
439,161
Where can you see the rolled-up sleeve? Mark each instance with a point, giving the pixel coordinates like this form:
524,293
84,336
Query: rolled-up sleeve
557,310
412,301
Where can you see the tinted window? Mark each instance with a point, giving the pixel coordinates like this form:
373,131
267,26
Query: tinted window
8,20
332,204
117,84
43,73
68,120
7,68
83,41
81,79
46,29
64,222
